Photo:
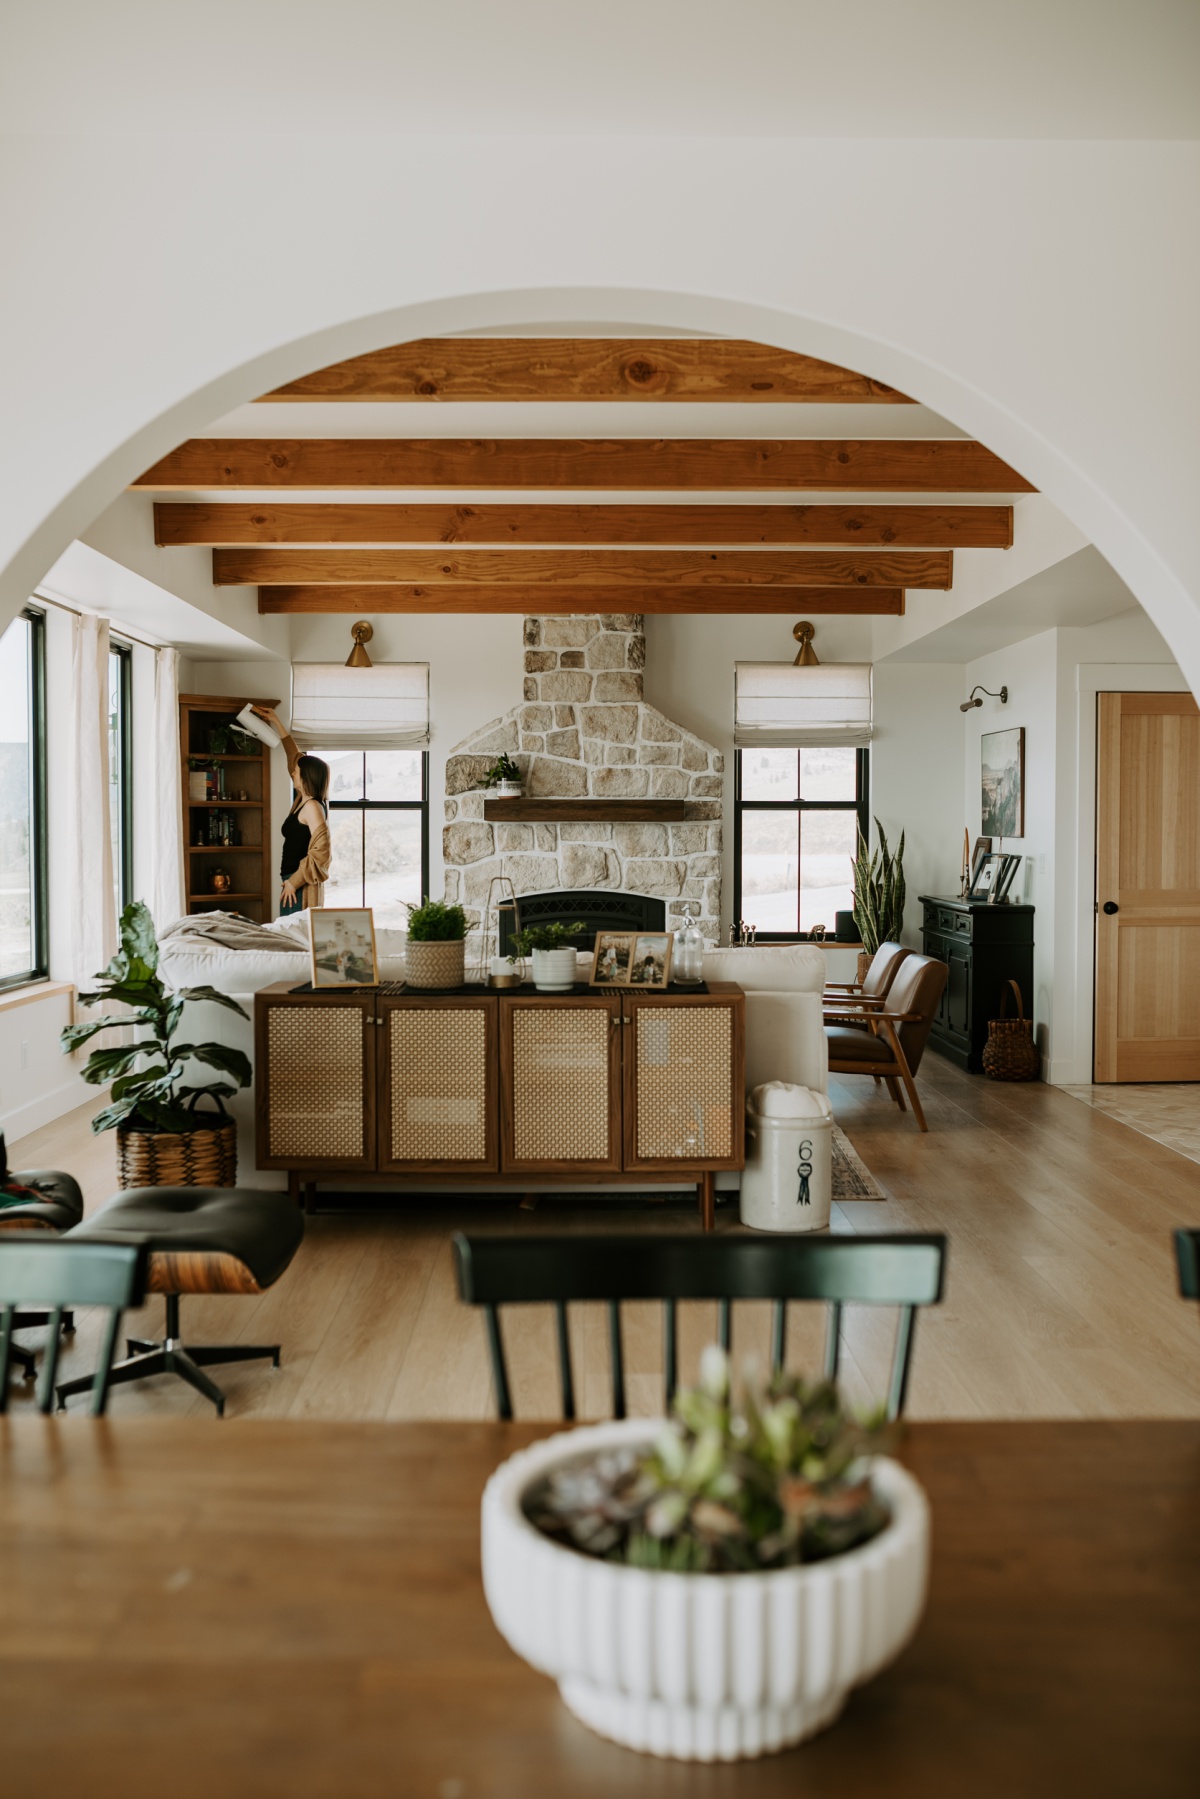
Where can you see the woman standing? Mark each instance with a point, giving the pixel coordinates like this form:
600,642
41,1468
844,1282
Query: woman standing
304,864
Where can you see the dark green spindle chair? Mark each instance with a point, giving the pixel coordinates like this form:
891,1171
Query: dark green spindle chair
46,1272
1187,1259
896,1270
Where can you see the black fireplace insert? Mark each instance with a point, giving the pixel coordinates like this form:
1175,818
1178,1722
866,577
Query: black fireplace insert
598,911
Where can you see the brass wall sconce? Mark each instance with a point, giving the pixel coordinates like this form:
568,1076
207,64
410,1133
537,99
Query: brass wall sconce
362,633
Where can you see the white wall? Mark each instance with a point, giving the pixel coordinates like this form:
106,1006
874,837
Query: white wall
1067,258
916,776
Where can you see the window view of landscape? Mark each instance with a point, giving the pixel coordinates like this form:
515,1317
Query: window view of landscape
376,806
17,947
799,830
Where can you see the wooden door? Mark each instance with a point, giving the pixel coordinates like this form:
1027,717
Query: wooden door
1148,888
560,1077
684,1074
438,1085
315,1081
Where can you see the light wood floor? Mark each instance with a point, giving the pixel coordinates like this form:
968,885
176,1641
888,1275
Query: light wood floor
1060,1300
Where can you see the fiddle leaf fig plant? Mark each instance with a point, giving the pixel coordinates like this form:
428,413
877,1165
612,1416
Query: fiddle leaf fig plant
778,1478
879,892
149,1092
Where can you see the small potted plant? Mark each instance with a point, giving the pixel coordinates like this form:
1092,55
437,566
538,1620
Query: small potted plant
162,1141
505,778
879,894
435,953
712,1588
553,954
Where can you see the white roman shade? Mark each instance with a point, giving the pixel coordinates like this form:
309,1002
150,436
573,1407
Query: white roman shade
775,703
381,708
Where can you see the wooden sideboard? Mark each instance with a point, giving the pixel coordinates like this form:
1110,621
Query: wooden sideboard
394,1085
984,947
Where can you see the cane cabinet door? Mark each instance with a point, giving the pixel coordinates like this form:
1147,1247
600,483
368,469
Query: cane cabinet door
438,1085
560,1063
315,1081
684,1080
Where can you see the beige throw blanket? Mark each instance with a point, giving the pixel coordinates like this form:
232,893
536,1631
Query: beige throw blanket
233,931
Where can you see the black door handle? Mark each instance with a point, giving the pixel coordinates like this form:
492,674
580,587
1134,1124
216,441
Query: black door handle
1111,906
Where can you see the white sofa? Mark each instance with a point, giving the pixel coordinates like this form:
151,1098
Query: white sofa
785,1036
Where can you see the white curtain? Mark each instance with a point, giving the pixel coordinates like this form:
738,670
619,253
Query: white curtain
166,896
91,906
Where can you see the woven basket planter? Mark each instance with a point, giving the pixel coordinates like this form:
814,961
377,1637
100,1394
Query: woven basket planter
865,959
433,965
206,1157
1010,1054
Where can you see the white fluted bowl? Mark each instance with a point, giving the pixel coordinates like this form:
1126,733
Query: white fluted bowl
703,1667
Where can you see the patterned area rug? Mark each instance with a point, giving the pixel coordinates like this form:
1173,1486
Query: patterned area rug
852,1179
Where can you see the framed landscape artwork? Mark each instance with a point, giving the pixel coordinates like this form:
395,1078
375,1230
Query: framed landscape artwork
343,947
1003,782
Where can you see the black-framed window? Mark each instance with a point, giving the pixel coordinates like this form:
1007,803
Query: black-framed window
378,830
797,816
120,770
24,934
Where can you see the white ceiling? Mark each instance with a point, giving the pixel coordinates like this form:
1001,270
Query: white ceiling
1079,590
707,68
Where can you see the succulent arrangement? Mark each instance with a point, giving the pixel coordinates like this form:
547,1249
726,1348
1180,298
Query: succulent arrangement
774,1479
545,936
878,892
433,921
148,1091
502,769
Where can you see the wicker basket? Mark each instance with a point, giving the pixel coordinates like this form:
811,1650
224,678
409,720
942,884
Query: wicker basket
1010,1053
205,1157
865,959
434,965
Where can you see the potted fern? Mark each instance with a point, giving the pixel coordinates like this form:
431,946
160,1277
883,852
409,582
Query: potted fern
878,896
713,1587
162,1141
435,953
552,952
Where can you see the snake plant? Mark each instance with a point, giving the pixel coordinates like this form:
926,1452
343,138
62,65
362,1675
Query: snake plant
878,891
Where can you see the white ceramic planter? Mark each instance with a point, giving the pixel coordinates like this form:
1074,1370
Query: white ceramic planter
702,1667
554,970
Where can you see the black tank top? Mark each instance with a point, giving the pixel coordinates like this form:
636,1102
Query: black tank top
296,839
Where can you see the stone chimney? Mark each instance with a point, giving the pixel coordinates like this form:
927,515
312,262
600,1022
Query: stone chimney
585,731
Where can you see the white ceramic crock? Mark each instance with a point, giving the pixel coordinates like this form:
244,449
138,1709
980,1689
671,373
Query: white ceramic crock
702,1667
554,970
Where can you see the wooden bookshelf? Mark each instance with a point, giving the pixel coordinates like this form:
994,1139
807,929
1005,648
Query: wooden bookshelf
251,861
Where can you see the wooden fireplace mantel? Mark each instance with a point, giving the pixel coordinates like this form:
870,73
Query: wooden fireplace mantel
634,812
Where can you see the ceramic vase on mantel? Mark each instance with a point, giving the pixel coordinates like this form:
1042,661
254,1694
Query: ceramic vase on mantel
700,1667
554,969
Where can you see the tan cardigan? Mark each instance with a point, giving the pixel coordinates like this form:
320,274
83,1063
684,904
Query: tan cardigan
311,875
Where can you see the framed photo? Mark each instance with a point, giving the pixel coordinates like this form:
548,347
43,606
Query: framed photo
1004,880
987,873
982,847
1002,782
343,947
612,958
651,966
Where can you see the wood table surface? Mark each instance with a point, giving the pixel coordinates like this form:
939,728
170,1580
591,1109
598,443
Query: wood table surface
285,1610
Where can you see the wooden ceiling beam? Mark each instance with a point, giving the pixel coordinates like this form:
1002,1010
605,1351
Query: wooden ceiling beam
798,601
916,465
553,570
523,368
232,522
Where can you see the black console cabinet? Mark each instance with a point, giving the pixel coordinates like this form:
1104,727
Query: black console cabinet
984,948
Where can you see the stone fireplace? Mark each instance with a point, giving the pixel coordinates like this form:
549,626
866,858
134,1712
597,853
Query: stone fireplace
584,730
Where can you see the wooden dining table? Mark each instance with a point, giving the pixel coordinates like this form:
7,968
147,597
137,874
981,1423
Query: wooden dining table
290,1610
